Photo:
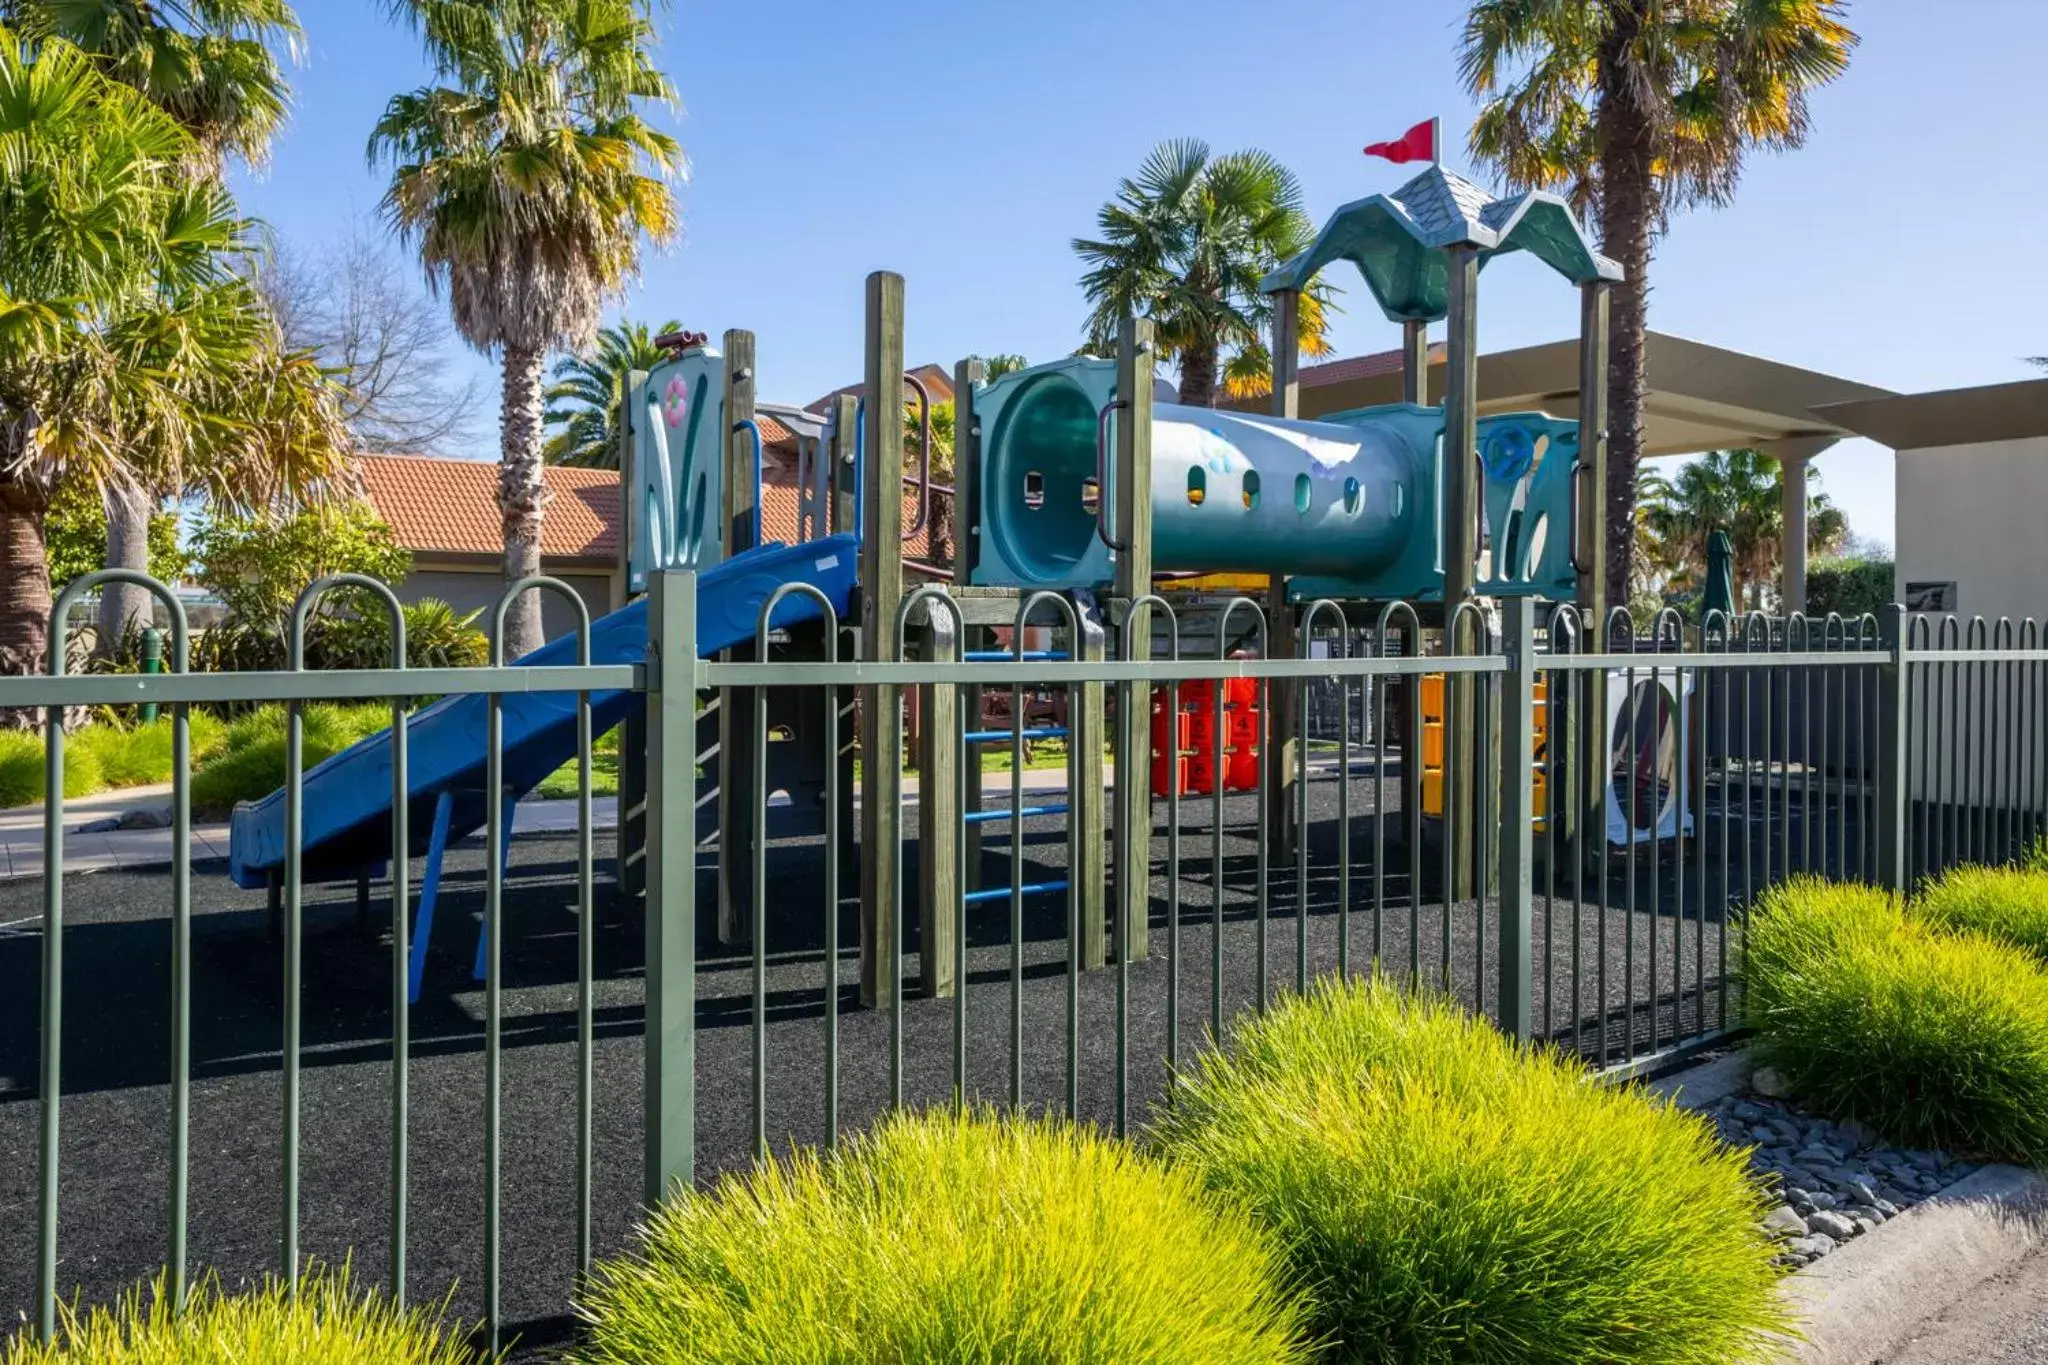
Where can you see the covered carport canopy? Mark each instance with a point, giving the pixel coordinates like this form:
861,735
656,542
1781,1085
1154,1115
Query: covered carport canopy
1700,398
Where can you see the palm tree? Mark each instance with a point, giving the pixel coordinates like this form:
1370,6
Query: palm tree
1638,109
1740,492
583,401
1186,242
526,182
132,351
213,65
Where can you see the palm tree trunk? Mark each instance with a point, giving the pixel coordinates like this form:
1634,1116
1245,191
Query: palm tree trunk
522,497
129,508
24,579
1198,376
1628,211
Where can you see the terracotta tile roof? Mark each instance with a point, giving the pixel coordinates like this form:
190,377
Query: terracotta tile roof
773,433
779,508
451,506
1360,367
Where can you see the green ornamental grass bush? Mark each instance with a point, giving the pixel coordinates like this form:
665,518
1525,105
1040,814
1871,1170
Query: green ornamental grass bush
250,764
21,769
330,1323
1933,1037
943,1239
2009,904
1447,1195
140,756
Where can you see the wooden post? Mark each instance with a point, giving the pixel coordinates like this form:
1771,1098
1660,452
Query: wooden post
1085,811
1131,481
966,558
1590,562
881,580
632,830
842,474
1462,773
1415,361
939,794
737,706
1283,698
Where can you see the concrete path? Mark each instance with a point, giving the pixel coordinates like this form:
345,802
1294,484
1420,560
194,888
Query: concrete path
2003,1322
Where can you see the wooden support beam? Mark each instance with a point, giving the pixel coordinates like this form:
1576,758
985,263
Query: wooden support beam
1131,484
1462,716
939,794
1283,698
881,581
1087,733
1589,559
842,474
737,707
966,558
1415,361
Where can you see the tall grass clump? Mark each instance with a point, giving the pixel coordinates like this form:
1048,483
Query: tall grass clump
2009,904
329,1323
944,1239
1445,1194
1934,1037
140,755
21,768
250,764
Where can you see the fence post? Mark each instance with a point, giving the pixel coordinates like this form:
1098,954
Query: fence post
1517,810
670,1118
1894,738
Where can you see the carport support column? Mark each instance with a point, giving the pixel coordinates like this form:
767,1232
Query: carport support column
881,591
737,705
1793,587
1283,696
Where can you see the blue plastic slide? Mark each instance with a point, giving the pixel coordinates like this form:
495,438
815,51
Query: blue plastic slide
347,814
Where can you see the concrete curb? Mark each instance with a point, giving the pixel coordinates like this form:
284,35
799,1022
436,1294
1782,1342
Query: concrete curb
1859,1302
1863,1300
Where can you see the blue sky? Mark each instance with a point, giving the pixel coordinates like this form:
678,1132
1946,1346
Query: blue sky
966,145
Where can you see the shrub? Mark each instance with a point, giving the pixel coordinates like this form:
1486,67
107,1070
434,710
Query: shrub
140,756
21,768
251,763
944,1238
2009,904
1933,1037
1447,1194
330,1323
1853,586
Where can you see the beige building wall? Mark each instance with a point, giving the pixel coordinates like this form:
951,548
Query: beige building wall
1976,516
467,589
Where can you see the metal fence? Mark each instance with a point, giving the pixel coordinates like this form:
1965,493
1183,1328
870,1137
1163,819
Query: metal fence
1569,844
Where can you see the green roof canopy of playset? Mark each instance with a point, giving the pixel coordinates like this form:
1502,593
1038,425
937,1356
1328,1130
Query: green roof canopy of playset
1397,241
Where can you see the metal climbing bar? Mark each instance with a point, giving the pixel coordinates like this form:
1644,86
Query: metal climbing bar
1004,656
997,893
1041,732
1000,813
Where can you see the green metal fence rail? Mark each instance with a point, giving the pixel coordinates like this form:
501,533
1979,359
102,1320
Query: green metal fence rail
1878,749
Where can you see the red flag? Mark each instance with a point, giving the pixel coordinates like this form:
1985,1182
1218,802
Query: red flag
1417,144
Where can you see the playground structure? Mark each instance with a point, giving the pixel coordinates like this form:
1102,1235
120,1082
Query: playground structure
1075,489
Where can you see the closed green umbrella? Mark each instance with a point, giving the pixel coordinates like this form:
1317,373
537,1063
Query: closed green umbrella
1720,586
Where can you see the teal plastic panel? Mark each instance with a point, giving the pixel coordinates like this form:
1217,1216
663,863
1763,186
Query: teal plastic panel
678,424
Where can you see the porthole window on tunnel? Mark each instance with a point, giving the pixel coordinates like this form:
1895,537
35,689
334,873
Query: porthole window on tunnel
1251,489
1351,497
1198,486
1034,489
1302,494
1091,496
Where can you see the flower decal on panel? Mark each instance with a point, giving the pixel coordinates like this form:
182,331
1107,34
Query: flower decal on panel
675,401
